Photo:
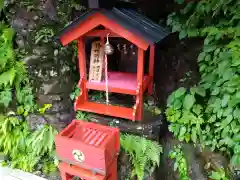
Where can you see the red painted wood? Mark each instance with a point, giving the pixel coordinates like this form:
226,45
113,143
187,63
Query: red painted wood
99,19
120,82
69,171
109,110
151,69
140,74
99,144
101,33
82,67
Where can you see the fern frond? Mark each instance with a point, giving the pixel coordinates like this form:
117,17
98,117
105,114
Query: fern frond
154,152
21,74
144,153
3,60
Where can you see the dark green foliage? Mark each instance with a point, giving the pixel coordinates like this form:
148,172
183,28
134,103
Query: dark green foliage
209,112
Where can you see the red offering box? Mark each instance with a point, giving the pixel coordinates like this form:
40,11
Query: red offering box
88,145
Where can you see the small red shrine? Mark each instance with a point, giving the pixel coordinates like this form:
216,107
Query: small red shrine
106,25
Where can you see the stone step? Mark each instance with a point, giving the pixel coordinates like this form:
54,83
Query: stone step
14,174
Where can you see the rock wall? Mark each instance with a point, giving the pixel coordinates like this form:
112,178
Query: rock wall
52,68
175,66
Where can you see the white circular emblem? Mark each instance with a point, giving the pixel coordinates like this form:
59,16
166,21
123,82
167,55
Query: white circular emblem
78,155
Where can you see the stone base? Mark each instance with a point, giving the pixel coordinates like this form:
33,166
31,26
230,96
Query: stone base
149,127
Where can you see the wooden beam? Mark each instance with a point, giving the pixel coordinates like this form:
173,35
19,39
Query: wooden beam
82,65
140,66
151,69
140,74
101,33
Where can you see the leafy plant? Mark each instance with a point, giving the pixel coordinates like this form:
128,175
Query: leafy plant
26,149
153,109
218,175
144,154
13,74
96,95
180,163
209,112
82,115
45,108
75,93
44,35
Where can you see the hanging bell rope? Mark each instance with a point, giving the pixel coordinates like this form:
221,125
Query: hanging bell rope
109,50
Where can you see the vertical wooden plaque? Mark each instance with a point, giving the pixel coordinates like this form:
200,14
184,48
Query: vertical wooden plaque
96,62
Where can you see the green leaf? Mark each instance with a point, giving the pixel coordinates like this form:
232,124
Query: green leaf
228,141
179,1
188,101
236,138
201,56
194,135
220,113
183,130
235,127
182,34
180,92
1,5
177,104
227,111
225,132
236,113
235,161
215,91
209,48
227,121
6,97
20,110
215,176
175,95
197,109
212,119
225,100
187,137
199,90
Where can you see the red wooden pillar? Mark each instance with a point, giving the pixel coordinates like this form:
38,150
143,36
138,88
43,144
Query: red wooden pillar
82,66
151,69
65,176
140,74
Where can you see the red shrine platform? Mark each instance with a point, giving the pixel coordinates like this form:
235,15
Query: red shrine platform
119,82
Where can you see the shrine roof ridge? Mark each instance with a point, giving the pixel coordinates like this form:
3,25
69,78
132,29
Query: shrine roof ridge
129,19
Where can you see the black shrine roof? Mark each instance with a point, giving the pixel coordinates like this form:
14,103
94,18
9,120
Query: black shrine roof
128,19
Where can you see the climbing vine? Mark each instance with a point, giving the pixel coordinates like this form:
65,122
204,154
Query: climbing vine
180,163
209,113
